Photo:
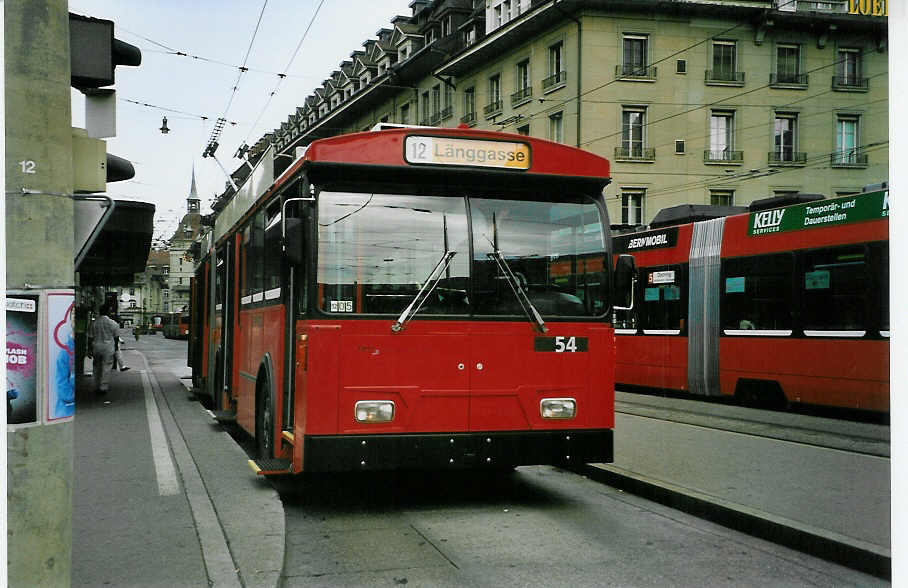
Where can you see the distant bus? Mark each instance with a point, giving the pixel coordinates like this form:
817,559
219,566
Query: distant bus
414,298
176,325
772,306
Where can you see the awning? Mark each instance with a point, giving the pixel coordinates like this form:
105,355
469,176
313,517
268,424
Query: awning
120,244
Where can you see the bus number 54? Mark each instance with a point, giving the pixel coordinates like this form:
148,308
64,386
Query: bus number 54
563,344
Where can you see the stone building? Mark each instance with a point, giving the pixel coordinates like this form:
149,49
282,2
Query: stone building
701,101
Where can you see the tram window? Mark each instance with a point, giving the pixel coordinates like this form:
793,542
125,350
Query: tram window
663,304
757,293
835,290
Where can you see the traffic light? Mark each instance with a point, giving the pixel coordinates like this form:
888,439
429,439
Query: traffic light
94,56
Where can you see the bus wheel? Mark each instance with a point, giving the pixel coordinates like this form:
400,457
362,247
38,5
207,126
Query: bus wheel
264,419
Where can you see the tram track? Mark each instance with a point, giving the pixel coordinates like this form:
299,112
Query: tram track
854,437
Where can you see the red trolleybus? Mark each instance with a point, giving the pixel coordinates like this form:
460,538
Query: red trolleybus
415,298
772,306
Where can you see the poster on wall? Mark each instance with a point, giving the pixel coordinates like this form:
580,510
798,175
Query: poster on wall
61,375
21,359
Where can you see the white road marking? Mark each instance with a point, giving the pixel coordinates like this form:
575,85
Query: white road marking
166,472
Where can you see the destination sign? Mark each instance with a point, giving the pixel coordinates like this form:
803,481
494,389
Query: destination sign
471,152
823,213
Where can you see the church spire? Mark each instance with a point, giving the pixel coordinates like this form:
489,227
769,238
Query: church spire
192,203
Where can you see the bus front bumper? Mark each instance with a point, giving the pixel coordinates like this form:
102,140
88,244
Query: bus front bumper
491,450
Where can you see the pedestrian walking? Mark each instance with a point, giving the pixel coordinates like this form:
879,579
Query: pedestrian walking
118,355
104,332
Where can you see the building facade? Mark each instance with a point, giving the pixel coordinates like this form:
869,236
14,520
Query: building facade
697,102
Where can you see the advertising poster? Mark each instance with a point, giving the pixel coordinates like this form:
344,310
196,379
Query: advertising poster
21,359
61,347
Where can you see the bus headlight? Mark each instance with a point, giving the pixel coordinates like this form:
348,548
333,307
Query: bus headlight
374,411
558,408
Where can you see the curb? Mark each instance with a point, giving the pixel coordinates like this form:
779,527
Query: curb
248,509
853,553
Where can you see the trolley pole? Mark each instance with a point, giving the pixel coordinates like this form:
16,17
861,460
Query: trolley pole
39,282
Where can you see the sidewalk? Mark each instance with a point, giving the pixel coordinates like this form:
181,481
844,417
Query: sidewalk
805,493
162,495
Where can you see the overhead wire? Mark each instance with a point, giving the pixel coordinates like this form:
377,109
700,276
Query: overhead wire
283,75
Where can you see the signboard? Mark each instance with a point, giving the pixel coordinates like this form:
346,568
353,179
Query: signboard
61,376
659,239
869,7
470,152
824,213
21,359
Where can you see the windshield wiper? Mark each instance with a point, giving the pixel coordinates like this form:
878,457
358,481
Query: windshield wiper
522,298
424,291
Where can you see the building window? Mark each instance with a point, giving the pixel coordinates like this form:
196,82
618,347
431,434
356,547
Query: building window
722,137
448,109
632,207
633,121
785,140
634,59
524,87
556,74
847,142
494,105
722,197
436,103
556,127
405,114
447,26
724,63
524,130
788,66
469,106
848,70
424,114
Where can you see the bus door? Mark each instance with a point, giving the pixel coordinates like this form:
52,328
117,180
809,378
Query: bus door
222,341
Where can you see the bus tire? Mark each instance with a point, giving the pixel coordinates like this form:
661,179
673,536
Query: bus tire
217,389
264,416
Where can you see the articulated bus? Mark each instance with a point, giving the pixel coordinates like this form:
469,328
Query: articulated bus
414,298
771,306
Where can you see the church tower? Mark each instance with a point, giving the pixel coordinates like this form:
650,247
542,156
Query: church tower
193,202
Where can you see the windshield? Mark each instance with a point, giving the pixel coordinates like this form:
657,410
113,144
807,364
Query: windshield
376,252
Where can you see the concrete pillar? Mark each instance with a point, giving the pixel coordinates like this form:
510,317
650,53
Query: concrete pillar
39,257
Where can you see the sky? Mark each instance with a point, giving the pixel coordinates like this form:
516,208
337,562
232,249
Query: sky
218,34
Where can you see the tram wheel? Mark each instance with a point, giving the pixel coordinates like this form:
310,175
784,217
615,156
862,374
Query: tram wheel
765,394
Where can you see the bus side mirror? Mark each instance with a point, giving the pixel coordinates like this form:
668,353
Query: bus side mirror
625,278
293,240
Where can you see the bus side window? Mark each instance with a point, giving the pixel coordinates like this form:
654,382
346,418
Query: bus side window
272,252
757,293
835,289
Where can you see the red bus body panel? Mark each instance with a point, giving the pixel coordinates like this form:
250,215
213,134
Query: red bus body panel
448,376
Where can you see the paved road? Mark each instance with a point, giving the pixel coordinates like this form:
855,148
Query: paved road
536,526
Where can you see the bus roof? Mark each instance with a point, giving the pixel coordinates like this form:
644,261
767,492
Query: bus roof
460,148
